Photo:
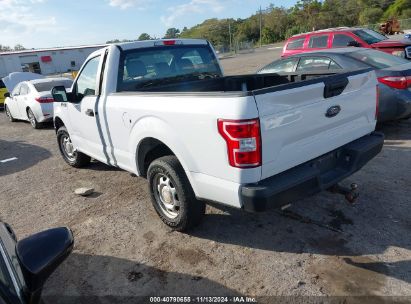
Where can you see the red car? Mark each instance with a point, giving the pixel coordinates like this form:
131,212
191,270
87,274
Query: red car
343,37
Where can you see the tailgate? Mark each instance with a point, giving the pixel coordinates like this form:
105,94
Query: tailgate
303,120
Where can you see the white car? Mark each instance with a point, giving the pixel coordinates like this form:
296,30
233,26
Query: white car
32,101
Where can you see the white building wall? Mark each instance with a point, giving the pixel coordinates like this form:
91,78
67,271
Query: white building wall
61,60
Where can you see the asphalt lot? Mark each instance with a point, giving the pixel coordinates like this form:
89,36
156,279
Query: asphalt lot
320,246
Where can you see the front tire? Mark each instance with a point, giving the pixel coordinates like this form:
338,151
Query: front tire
172,196
8,114
71,156
33,121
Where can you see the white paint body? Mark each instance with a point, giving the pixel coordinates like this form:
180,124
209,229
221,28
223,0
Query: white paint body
294,128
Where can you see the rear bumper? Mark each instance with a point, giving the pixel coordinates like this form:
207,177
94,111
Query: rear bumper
313,176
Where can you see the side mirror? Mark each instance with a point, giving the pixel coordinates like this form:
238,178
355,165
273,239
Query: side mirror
39,256
353,43
7,94
60,94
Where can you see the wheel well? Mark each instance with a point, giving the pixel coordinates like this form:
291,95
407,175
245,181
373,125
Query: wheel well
27,111
58,123
148,150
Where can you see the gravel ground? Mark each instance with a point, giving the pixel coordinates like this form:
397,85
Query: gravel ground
320,246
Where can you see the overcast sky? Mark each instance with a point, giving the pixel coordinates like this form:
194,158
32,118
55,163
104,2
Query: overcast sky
48,23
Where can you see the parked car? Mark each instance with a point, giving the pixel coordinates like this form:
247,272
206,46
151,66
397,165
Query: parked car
343,37
3,90
25,265
393,74
246,141
32,100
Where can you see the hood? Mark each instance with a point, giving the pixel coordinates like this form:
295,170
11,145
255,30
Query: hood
392,43
15,78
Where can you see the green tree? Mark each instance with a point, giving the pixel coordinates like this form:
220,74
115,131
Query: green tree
144,36
370,15
19,47
172,33
396,9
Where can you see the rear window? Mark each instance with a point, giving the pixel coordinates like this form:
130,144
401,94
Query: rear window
2,86
312,64
377,59
150,67
369,36
318,42
296,44
47,86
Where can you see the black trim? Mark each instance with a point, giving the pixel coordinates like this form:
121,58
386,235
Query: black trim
329,78
313,176
103,67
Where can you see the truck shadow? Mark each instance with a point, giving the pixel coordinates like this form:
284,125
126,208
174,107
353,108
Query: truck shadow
27,156
104,279
396,130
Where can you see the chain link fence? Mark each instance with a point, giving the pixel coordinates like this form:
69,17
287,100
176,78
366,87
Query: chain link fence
237,47
405,24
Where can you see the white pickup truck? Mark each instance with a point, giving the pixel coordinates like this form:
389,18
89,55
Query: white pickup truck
163,110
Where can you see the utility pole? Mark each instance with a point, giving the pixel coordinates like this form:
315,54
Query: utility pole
261,27
229,32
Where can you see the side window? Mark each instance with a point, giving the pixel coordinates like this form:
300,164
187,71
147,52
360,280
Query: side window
2,86
284,66
313,64
318,42
24,89
296,44
341,40
87,81
16,90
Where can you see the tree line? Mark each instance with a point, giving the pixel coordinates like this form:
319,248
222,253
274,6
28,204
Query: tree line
17,47
279,23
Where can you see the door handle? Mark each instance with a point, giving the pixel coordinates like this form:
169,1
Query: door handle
90,112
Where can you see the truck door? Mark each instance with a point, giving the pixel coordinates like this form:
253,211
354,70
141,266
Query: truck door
85,129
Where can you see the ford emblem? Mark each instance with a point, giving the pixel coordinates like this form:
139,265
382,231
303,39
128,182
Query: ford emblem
333,111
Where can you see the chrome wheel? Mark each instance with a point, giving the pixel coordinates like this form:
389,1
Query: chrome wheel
68,148
167,196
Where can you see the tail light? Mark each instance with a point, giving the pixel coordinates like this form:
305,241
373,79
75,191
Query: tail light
243,140
377,102
396,82
44,99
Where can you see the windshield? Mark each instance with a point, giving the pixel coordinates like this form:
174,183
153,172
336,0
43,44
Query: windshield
47,86
369,36
148,67
377,59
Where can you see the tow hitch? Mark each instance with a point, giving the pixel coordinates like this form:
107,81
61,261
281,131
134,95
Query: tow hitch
351,194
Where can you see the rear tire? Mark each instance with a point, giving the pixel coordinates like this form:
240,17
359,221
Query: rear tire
8,114
33,121
72,157
172,195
